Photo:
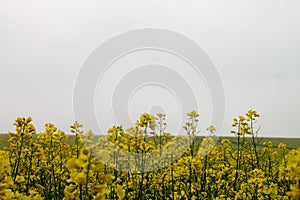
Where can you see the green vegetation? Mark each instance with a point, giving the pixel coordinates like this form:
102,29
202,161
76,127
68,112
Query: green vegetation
291,143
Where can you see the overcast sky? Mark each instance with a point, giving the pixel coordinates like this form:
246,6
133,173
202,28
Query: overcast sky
255,46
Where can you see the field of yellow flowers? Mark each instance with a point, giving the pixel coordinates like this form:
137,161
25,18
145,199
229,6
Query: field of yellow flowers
44,166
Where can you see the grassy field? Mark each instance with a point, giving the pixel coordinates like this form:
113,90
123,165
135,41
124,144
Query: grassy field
3,140
291,143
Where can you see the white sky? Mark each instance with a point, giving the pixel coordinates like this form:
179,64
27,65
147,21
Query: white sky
254,44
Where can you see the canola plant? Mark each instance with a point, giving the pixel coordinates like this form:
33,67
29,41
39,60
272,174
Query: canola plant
45,166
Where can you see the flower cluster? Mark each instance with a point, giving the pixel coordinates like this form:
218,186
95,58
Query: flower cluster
56,165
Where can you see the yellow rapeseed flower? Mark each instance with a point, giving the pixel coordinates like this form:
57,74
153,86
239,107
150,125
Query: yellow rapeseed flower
80,178
120,192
